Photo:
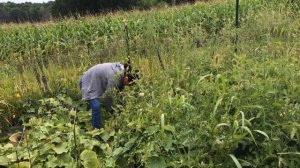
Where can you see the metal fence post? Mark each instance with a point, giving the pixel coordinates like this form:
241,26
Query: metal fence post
237,24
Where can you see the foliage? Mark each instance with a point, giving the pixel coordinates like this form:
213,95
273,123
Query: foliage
38,12
33,12
68,7
209,107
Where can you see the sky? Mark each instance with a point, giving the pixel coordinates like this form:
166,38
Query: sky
21,1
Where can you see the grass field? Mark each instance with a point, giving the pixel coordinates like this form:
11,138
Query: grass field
209,107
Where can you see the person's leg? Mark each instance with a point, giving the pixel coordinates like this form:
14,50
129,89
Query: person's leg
96,120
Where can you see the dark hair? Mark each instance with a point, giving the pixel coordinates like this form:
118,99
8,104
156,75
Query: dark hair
127,68
133,76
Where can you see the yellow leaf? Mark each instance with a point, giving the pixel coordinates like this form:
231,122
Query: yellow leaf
18,95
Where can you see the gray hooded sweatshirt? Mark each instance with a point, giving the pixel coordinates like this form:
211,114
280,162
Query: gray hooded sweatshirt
99,78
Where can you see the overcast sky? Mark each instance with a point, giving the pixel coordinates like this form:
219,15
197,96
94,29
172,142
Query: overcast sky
20,1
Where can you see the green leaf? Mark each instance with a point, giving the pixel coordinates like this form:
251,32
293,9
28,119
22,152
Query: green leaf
57,140
91,143
131,142
3,160
293,133
95,132
12,157
21,165
110,162
60,160
105,136
203,77
72,113
245,163
31,110
221,125
52,161
216,107
162,120
243,119
7,146
156,162
151,130
249,131
118,151
45,148
263,133
289,153
169,128
66,160
237,137
237,163
89,159
61,148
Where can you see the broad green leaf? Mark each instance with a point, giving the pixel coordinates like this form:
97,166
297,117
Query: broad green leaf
21,165
105,136
61,148
89,159
95,132
237,163
42,136
72,113
52,161
45,148
106,149
57,140
110,162
12,157
66,160
112,133
156,162
4,160
90,144
7,146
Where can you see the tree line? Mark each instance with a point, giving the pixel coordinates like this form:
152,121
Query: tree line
36,12
24,12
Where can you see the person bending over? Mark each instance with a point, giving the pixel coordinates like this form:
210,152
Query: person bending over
96,80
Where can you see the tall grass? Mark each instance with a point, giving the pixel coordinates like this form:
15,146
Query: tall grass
85,42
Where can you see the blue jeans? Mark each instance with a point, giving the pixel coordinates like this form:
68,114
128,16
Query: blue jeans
96,119
95,106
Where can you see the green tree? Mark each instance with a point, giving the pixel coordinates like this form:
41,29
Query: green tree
17,15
